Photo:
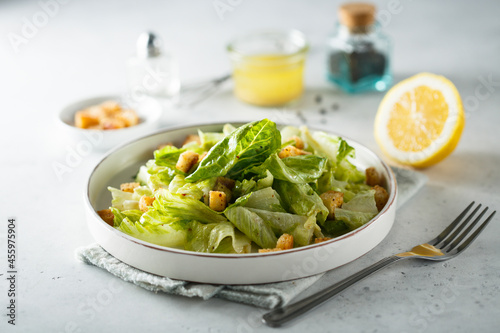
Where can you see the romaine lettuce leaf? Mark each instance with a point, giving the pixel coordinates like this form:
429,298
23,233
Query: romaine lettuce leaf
216,238
327,182
265,199
160,234
344,151
184,208
247,146
265,180
301,199
338,151
335,228
209,139
255,183
351,218
228,129
196,190
296,169
155,217
300,227
156,176
348,172
252,226
143,175
132,215
362,202
359,210
123,200
321,143
287,132
168,156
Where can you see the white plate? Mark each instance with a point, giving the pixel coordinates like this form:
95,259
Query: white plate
148,110
121,164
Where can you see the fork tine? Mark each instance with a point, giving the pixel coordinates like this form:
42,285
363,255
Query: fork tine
469,240
459,228
452,226
466,232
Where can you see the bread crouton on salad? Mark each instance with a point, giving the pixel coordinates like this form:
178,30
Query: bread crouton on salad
107,216
292,151
187,160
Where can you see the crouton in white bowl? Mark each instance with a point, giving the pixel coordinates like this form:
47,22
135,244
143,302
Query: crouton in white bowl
107,132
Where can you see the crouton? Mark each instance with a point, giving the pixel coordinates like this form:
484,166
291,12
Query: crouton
106,116
373,177
321,239
269,250
292,151
110,107
298,142
381,197
217,200
228,182
107,215
84,120
129,187
186,161
145,202
129,117
109,123
192,138
96,111
285,242
332,200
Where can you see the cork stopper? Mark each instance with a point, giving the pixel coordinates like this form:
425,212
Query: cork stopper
357,15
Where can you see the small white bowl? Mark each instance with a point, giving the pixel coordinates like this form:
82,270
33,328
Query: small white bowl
148,110
123,162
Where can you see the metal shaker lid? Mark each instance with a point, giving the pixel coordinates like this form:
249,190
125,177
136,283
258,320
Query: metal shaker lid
148,45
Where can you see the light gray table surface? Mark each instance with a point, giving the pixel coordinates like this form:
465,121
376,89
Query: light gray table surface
81,49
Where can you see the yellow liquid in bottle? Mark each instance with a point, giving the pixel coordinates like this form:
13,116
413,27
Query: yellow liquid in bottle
269,80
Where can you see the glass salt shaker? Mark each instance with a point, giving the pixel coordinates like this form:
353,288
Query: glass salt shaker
358,52
153,72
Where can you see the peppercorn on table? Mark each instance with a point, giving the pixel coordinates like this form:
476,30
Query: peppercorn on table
57,52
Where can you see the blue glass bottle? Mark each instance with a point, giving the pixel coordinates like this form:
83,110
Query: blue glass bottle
358,51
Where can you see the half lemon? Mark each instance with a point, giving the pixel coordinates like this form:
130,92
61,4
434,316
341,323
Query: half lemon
420,120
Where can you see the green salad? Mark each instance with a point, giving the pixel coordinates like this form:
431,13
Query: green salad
247,189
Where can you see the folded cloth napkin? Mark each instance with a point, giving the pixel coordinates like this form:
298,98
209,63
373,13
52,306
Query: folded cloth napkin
266,296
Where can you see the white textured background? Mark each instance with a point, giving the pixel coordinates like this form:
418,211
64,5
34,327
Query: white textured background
82,52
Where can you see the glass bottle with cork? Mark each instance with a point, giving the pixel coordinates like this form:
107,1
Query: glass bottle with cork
358,52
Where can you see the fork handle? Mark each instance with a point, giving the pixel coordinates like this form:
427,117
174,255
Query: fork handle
279,316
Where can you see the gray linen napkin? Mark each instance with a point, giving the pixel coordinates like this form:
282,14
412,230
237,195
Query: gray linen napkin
266,296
